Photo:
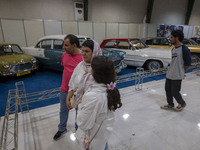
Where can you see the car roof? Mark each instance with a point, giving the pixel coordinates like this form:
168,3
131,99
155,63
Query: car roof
8,44
120,39
61,37
148,38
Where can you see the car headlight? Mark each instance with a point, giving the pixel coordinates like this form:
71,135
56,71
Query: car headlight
33,60
6,65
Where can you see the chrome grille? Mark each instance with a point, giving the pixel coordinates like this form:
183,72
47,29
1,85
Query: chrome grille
21,67
117,62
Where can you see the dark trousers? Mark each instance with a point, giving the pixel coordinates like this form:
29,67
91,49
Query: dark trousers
172,88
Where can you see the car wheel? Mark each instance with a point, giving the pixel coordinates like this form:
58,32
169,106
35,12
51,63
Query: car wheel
194,59
153,65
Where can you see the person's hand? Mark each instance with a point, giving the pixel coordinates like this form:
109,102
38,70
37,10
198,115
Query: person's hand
68,104
86,143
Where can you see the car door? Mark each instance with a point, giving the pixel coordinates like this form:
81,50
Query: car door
132,55
54,54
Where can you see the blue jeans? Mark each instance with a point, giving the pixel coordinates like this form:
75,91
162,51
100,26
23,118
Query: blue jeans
64,111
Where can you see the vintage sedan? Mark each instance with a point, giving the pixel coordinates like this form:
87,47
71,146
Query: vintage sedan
49,50
13,62
164,42
139,54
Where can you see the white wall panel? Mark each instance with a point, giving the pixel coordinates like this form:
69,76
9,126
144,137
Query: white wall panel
52,27
69,27
133,30
14,31
85,28
112,30
123,30
99,32
1,34
151,30
140,30
34,30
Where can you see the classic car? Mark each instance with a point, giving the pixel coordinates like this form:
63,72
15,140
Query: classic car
164,42
49,50
196,39
138,53
13,62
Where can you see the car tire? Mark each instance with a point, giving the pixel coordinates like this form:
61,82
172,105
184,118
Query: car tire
153,65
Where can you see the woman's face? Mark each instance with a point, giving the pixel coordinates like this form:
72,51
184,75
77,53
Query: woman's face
86,54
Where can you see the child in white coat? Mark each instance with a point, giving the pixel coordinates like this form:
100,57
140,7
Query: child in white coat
95,113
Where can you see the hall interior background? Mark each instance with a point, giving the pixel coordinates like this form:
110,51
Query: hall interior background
29,20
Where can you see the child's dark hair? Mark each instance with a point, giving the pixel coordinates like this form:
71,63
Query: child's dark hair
179,34
73,39
88,43
104,72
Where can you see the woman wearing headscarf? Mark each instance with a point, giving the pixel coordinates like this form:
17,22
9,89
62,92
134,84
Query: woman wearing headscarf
81,78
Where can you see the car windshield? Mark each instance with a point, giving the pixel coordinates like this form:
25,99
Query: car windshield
138,44
193,42
10,49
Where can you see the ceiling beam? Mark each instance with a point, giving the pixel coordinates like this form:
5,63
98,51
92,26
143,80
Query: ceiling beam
189,11
149,11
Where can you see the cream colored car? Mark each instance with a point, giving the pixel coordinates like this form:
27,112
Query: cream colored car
164,42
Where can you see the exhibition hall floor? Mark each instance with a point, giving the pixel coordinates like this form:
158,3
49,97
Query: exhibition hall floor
140,124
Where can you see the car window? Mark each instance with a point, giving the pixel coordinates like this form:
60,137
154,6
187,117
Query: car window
193,42
46,44
2,51
81,40
16,49
185,41
110,44
138,44
156,42
124,45
58,44
12,49
164,42
148,42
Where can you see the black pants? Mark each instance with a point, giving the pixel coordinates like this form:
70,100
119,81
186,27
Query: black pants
172,88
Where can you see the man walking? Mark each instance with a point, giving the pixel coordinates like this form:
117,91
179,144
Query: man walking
70,59
181,61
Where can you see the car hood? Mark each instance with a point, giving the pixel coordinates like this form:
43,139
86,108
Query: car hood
114,54
15,59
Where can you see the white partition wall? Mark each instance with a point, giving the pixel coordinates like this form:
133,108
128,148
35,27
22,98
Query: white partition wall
70,27
133,30
85,28
151,30
1,34
99,32
140,30
32,36
112,30
52,27
13,31
123,30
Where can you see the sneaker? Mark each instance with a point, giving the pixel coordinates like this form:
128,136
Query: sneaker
58,134
167,107
180,107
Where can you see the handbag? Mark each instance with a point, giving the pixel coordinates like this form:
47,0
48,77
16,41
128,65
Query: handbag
73,101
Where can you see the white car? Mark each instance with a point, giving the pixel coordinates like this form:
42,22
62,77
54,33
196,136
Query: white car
139,54
49,50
